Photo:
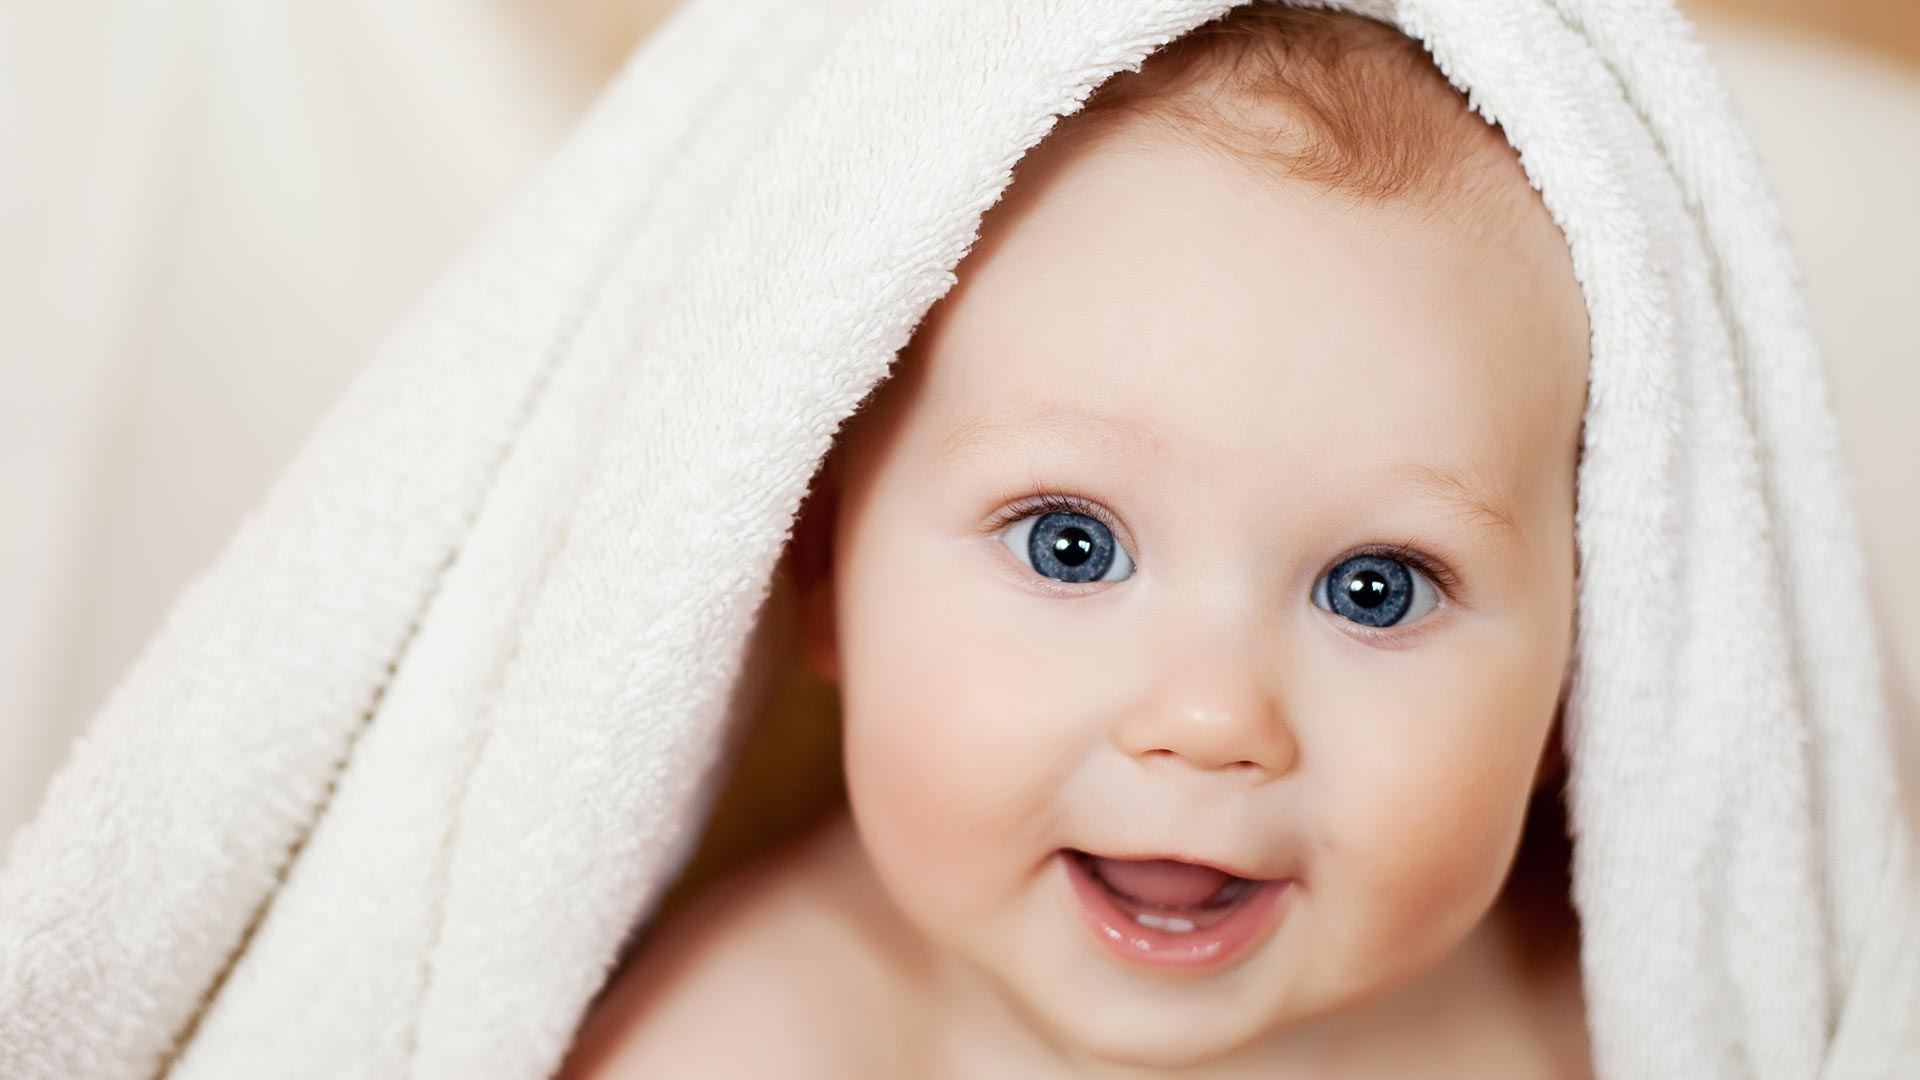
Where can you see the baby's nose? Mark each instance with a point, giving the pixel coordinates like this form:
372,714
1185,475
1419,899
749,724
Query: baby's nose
1214,710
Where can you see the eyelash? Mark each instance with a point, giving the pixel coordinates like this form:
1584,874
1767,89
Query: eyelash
1050,501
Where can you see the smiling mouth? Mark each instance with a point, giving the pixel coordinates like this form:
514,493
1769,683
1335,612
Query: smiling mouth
1168,894
1167,912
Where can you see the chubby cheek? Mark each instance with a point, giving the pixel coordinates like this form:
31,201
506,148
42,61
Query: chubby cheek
1423,802
953,759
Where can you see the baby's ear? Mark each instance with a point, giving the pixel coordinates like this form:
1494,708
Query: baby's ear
812,564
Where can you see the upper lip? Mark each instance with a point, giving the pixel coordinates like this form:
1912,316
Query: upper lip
1223,865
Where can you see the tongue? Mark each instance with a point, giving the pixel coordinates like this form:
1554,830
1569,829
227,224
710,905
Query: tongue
1160,881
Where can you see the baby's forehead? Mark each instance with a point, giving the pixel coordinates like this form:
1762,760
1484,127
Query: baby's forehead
1164,276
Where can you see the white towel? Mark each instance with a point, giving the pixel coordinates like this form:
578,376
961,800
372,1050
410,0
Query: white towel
404,766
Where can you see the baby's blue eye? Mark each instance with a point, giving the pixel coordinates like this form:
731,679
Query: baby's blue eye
1374,590
1067,546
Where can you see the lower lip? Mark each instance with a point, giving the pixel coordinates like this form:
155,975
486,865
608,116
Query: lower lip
1212,947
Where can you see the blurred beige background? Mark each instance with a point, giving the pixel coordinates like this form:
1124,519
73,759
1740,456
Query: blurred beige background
213,211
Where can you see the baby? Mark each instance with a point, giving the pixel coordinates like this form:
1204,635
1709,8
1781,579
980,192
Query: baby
1199,591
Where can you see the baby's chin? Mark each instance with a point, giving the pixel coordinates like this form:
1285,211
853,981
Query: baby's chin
1089,1009
1113,1027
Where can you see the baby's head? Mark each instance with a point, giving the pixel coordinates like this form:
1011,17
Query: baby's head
1222,512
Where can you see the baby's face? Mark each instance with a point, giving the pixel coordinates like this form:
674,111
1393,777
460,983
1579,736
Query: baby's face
1253,394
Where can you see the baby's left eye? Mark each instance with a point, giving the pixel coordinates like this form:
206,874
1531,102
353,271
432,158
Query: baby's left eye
1375,591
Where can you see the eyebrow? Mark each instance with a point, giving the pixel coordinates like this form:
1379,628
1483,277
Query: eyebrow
1464,492
1037,425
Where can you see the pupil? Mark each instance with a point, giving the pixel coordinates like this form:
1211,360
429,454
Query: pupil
1367,588
1073,546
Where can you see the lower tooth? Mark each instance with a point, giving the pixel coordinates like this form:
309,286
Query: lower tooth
1177,925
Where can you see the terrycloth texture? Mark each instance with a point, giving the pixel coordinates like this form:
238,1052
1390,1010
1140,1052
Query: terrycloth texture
405,765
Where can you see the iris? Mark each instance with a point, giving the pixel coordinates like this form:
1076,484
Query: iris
1371,590
1070,547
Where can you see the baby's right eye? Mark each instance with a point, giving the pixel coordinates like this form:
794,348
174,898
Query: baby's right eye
1067,545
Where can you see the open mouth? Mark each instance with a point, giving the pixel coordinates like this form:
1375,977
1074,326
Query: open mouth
1167,894
1165,911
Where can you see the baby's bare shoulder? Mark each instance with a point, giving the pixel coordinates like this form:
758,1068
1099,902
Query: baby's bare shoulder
771,972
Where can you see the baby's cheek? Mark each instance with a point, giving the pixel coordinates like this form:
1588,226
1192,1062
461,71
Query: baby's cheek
1418,840
948,767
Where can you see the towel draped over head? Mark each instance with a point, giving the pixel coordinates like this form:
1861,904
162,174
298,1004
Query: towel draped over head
407,764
